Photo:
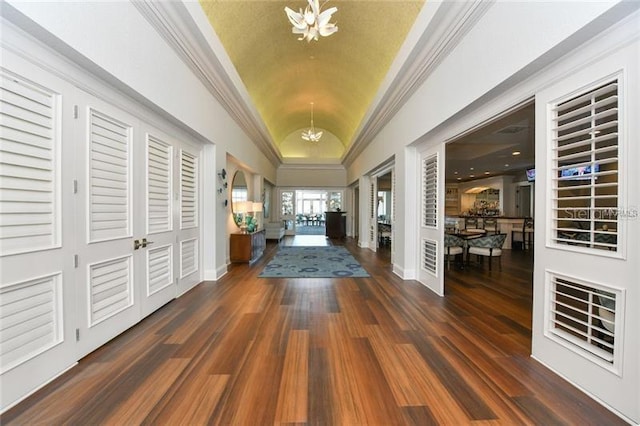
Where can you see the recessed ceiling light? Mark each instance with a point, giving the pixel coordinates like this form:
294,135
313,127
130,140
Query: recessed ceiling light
487,172
471,175
455,173
459,178
506,165
470,168
515,153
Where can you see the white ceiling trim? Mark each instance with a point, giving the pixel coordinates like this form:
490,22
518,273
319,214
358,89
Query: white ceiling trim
176,25
315,166
444,30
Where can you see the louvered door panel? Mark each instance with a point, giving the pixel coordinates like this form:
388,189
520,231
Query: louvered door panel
430,256
110,177
159,270
31,318
158,185
29,167
188,190
430,191
111,288
188,257
430,244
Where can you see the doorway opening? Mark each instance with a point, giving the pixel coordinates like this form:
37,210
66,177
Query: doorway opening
489,189
311,207
304,211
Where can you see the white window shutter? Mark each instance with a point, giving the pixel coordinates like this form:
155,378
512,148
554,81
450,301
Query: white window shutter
584,170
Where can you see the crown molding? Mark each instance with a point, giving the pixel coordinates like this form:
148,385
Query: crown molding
449,24
176,25
314,166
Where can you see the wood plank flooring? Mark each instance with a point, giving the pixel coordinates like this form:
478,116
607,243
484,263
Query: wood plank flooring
377,351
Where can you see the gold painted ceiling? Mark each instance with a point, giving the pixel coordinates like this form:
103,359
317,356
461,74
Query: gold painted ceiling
340,74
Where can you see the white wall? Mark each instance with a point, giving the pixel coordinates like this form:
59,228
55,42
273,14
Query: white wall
311,176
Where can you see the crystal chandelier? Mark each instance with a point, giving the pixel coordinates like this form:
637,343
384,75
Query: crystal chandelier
311,135
312,23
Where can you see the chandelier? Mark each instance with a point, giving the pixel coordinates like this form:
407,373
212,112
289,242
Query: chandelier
312,23
311,135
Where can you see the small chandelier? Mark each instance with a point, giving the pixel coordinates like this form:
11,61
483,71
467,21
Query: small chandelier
311,135
312,23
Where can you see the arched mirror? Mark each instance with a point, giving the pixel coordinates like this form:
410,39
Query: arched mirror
239,197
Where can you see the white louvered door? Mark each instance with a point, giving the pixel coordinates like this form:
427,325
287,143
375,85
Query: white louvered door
36,280
188,225
158,272
107,267
373,214
430,244
80,181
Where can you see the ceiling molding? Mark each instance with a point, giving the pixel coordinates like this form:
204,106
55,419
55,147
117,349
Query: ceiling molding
297,166
175,25
445,30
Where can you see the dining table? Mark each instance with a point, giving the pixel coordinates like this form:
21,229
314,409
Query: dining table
466,235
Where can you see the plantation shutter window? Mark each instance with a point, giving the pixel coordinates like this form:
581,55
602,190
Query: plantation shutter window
29,168
584,170
430,191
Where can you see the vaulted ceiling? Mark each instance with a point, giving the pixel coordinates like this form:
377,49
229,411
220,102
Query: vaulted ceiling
341,74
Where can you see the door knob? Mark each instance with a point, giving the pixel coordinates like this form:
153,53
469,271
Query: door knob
137,244
145,242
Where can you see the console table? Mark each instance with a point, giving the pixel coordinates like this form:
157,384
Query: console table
247,248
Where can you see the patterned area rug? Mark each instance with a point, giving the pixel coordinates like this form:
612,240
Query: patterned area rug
313,262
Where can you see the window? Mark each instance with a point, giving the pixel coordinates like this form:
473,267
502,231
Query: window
584,169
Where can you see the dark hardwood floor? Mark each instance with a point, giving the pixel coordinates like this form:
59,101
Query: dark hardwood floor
380,351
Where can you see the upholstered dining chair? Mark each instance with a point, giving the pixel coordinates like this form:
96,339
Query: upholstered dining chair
453,246
488,245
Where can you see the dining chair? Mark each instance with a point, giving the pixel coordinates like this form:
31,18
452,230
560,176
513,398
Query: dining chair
453,246
490,224
526,233
488,245
384,234
471,225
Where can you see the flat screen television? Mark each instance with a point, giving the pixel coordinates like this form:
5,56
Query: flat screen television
583,172
531,175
